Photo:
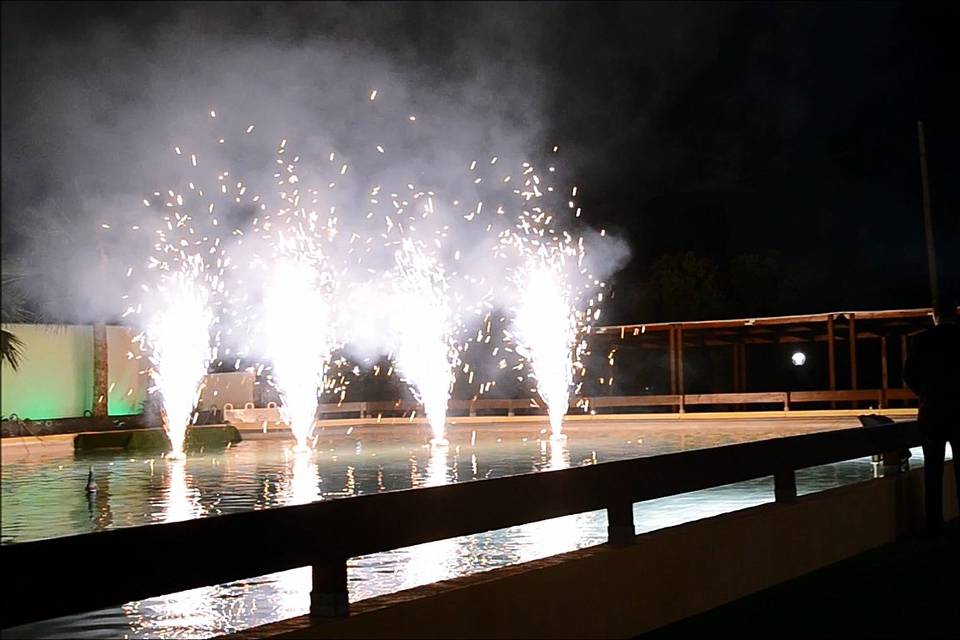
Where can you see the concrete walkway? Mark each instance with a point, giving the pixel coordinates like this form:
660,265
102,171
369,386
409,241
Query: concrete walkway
908,589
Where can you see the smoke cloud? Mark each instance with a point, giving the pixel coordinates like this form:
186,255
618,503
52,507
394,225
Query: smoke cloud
368,99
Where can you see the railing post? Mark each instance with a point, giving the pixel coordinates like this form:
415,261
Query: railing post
884,375
328,597
620,530
785,486
893,462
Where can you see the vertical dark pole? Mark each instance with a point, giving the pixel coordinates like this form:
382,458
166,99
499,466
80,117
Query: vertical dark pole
736,367
743,367
903,360
831,358
884,377
785,486
853,356
610,374
680,365
620,529
903,365
927,215
673,362
328,598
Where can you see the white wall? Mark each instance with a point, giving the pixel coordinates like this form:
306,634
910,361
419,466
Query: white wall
221,388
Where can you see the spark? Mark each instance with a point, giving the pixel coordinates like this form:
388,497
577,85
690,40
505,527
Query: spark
179,340
427,355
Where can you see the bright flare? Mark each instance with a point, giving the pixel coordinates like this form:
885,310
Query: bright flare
545,330
426,354
179,335
299,341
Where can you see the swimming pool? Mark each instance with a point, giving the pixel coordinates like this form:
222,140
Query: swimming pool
43,496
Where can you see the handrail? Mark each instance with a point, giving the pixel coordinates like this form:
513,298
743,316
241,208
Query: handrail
104,569
785,398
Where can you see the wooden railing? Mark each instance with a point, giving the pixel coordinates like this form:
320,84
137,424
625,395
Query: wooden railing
786,400
86,572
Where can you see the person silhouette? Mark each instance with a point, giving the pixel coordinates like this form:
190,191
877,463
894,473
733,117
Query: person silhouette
932,371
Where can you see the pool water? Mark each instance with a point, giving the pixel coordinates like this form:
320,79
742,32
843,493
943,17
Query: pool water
43,496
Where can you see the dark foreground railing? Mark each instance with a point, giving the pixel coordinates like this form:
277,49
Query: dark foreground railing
61,576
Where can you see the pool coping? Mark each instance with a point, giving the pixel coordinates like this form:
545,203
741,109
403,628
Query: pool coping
254,431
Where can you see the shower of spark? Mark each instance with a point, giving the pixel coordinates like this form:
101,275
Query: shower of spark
299,340
545,331
178,337
325,270
426,354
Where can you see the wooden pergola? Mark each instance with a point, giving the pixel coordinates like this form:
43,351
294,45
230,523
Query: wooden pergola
839,330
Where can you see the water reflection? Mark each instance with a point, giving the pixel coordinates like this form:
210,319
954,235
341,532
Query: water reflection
426,563
557,535
167,616
182,502
290,589
302,484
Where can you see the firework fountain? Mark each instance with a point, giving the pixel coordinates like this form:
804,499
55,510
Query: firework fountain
547,318
427,354
299,339
545,330
178,336
320,273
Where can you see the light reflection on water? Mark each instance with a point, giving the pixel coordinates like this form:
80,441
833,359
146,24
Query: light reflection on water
43,497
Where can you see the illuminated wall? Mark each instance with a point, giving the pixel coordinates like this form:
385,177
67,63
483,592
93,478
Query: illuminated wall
219,389
55,379
128,386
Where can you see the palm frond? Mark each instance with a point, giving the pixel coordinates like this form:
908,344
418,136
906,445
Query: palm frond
11,349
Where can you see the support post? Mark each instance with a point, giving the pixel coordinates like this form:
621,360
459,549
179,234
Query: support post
328,597
679,340
903,360
884,378
743,367
671,348
831,359
736,367
853,356
785,486
609,376
620,529
101,386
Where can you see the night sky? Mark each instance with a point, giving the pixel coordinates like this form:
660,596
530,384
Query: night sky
783,130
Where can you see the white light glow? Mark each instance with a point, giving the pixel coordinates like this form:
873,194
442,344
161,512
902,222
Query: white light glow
426,353
545,330
179,337
299,340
